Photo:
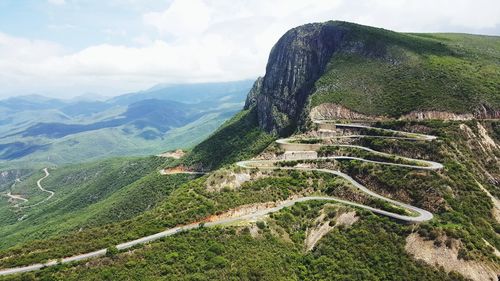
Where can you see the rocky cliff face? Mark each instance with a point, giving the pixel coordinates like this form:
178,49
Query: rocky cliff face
486,112
252,95
295,63
302,56
481,112
335,111
297,60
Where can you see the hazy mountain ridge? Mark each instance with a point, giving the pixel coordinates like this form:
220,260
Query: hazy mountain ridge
40,129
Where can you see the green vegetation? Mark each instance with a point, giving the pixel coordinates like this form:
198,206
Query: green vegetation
123,189
100,204
332,150
38,132
229,254
308,141
384,205
238,139
189,203
455,73
424,149
86,195
111,252
345,253
348,255
462,210
113,142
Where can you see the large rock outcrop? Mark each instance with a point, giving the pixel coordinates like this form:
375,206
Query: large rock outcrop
307,53
252,95
297,61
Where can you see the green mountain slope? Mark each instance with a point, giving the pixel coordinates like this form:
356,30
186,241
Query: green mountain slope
376,72
419,72
102,204
85,195
237,139
452,195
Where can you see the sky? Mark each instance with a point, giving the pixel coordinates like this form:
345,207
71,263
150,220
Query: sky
68,48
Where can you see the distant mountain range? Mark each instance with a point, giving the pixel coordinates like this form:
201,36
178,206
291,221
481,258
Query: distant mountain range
36,130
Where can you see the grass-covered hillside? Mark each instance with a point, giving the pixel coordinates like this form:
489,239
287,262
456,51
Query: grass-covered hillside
107,191
366,246
86,195
405,72
237,139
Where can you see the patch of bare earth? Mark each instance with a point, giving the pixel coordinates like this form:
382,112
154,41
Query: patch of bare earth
485,138
334,111
447,258
323,227
485,149
257,209
495,250
484,141
346,219
177,154
14,198
254,231
242,211
435,115
230,179
178,170
315,234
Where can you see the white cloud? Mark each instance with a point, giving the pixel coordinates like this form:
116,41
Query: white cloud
186,16
14,48
57,2
213,40
423,15
27,67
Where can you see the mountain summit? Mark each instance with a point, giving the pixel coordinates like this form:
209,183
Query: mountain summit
354,70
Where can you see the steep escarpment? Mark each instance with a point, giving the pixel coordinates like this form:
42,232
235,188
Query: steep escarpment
295,63
252,95
375,72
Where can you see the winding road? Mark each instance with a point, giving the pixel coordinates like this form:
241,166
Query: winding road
39,185
288,145
292,144
15,197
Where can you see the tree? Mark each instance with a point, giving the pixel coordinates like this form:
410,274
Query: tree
112,251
